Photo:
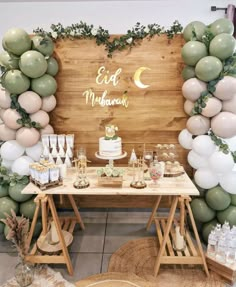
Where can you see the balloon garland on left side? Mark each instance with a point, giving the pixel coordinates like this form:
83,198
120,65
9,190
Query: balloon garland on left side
26,97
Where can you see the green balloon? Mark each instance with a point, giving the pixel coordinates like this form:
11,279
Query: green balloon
188,72
228,214
43,44
16,41
8,61
222,46
222,25
15,193
198,224
4,190
27,208
33,64
217,198
208,68
52,67
233,199
38,228
192,52
193,30
16,82
6,204
207,228
201,211
2,225
44,86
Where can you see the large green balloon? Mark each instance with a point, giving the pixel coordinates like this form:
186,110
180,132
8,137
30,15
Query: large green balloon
192,52
2,225
201,211
208,68
207,228
188,72
52,67
196,27
16,82
15,193
6,204
222,46
44,86
4,190
8,61
222,25
16,41
228,214
217,198
43,45
27,208
233,199
33,64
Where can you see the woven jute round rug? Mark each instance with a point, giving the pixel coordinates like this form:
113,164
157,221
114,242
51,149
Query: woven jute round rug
138,256
113,279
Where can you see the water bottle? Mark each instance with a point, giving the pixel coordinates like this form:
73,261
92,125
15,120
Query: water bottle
211,246
226,227
218,232
230,256
233,230
221,250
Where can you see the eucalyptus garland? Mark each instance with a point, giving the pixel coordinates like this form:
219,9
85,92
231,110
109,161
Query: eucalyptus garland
82,30
8,178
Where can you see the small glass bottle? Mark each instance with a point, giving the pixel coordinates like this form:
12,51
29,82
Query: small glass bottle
211,247
218,231
230,256
221,250
226,227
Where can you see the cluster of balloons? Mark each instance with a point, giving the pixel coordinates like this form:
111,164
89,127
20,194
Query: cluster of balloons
29,75
213,206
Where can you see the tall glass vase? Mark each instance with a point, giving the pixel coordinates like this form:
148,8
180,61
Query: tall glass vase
24,274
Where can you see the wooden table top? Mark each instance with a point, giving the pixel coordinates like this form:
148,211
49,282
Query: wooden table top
181,185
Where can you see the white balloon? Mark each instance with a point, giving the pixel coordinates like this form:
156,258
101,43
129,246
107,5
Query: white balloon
203,145
231,142
21,165
196,161
7,163
11,150
35,151
221,163
185,139
228,182
205,178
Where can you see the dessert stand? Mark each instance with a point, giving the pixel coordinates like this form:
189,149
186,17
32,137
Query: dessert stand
111,158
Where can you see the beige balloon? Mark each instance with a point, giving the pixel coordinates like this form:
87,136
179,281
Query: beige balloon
137,76
30,101
27,137
230,105
6,133
224,125
225,88
198,125
5,99
47,130
213,107
48,103
2,111
10,118
192,89
188,107
40,117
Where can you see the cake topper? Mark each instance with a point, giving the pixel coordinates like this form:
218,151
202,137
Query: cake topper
110,132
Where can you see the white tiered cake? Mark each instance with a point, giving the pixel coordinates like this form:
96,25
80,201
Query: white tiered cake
111,144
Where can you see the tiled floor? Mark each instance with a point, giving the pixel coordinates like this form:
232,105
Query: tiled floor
105,232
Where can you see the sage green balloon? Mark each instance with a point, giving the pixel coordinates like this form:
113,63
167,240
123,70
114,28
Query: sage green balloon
201,211
192,52
44,86
208,68
196,27
52,67
222,25
229,214
16,82
2,225
8,61
4,190
33,64
6,204
16,41
217,198
43,44
27,208
15,193
207,228
198,224
222,46
38,228
233,199
188,72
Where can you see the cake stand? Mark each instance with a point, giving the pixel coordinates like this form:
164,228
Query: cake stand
111,158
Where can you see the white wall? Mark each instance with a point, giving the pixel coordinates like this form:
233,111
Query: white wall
116,16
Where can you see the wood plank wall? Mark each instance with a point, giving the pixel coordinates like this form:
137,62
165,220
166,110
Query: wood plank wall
154,114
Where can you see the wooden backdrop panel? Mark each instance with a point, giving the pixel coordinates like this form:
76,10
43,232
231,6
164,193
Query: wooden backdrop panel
154,115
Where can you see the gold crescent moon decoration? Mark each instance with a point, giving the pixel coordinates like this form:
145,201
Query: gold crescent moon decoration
137,76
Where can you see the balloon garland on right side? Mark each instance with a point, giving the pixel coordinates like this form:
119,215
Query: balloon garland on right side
209,90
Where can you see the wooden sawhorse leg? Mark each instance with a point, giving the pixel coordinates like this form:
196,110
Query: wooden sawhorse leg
154,210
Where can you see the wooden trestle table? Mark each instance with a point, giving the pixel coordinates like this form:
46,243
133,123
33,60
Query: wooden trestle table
178,188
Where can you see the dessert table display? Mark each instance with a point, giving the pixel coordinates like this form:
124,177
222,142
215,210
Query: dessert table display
179,188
